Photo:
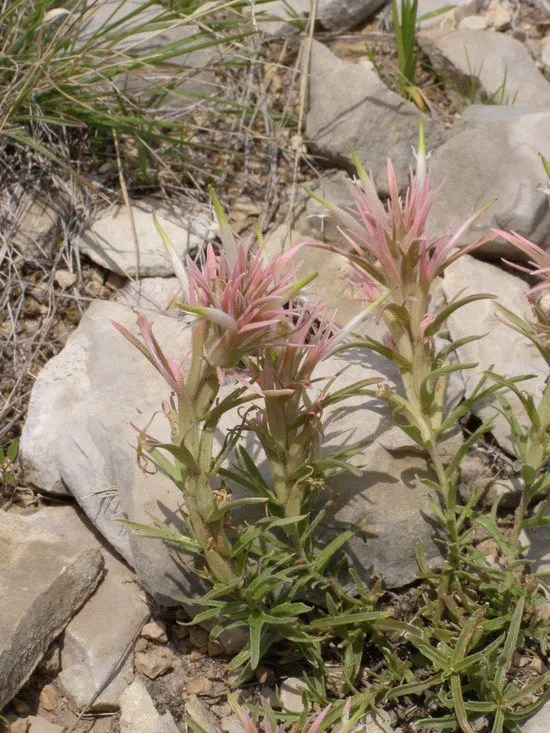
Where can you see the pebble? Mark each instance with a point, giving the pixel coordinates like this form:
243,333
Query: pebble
214,648
497,15
195,654
198,637
291,694
200,686
51,661
153,663
154,631
474,23
21,707
49,697
65,279
378,722
231,724
201,715
21,725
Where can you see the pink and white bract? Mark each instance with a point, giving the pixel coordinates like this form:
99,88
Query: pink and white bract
244,305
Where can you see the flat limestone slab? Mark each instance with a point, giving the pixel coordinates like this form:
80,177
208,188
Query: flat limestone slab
43,582
95,655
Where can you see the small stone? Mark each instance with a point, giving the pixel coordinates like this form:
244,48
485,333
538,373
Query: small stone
378,722
498,16
181,632
521,660
474,23
201,715
21,707
489,549
215,648
154,663
41,725
139,715
49,698
264,675
195,654
35,236
65,279
154,631
198,637
51,661
21,725
141,645
200,686
545,52
231,724
291,694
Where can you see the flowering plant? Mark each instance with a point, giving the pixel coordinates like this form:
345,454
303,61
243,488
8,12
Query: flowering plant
256,351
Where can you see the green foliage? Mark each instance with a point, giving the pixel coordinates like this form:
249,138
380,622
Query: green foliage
55,75
8,465
404,28
279,578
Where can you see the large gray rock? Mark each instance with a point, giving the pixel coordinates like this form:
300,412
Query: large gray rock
511,353
43,581
95,656
493,157
350,108
539,722
144,30
86,443
496,63
338,15
283,16
139,715
78,434
110,240
34,230
152,293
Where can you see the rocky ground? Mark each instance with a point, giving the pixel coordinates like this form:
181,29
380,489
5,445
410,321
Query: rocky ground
90,639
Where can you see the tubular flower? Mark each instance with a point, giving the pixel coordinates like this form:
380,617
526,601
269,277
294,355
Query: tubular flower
539,260
150,348
243,305
388,243
539,267
311,340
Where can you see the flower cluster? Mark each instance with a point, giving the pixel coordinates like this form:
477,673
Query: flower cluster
244,305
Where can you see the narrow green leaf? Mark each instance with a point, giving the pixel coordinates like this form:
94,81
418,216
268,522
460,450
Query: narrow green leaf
350,619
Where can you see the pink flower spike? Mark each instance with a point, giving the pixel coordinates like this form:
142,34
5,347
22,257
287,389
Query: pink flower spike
318,719
533,252
150,348
244,304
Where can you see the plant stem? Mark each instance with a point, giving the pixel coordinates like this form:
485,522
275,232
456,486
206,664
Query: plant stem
448,493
